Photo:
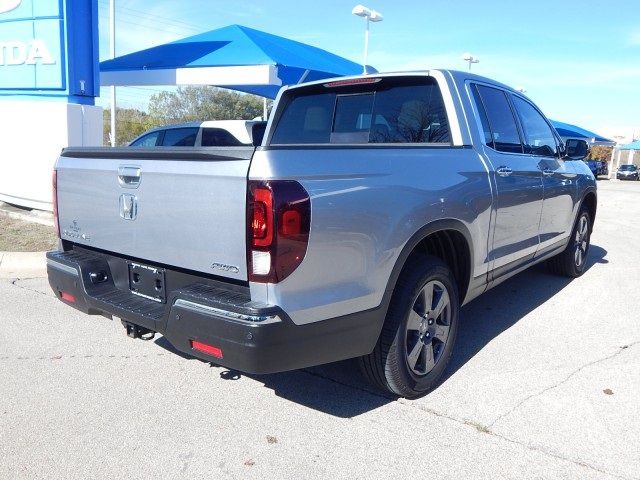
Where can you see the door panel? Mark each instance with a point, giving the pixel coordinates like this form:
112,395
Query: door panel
519,206
560,192
558,178
518,179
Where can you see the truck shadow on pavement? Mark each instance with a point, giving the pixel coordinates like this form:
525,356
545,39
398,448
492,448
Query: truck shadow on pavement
338,389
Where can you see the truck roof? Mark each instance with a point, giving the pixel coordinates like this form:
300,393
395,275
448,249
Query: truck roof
457,76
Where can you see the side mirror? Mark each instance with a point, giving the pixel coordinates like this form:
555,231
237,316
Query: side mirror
257,133
576,149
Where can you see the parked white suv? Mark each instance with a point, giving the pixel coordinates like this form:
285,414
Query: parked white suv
212,133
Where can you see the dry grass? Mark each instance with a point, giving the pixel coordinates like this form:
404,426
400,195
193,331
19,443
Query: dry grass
21,236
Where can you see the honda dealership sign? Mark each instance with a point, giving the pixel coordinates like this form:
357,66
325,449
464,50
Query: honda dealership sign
48,76
49,48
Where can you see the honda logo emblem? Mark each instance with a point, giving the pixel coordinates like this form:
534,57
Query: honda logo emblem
128,206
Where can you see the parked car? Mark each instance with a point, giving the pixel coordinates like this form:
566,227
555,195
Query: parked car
375,207
604,168
593,166
213,133
597,167
627,172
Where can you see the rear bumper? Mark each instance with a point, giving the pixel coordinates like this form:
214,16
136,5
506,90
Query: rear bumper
252,337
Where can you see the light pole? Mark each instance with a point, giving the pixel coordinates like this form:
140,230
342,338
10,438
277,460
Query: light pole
112,54
467,57
369,15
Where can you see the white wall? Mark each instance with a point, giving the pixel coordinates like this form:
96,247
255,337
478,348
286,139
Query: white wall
32,133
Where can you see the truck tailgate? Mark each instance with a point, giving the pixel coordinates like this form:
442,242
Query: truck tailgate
183,207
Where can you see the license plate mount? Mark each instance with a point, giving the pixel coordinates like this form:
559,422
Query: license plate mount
147,282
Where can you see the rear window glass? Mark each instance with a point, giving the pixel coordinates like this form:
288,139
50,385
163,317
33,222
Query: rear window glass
180,137
391,110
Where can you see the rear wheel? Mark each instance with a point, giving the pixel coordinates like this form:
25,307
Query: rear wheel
572,261
419,332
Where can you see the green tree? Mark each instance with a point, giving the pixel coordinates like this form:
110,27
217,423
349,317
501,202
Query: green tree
130,123
199,103
601,153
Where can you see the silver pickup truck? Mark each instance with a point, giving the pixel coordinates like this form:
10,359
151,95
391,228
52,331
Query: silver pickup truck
373,208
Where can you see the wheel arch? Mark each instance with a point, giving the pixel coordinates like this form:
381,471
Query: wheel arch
447,239
590,201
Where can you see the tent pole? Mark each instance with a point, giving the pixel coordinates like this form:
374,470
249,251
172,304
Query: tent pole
264,108
112,51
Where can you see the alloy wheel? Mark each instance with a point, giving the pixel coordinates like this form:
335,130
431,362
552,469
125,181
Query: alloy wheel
428,328
581,241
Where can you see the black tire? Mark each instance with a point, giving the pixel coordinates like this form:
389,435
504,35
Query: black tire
573,260
411,325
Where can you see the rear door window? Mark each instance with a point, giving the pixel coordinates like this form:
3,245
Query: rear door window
384,110
504,131
180,137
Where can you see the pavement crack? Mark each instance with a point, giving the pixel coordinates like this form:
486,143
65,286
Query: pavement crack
485,430
76,356
15,281
563,381
557,456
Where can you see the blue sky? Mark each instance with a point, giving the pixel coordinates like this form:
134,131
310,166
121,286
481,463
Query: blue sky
578,60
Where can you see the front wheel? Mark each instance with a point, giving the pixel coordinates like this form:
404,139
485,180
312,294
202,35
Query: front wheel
419,332
573,260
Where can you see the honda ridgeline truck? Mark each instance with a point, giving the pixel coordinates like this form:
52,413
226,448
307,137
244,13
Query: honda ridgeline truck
371,211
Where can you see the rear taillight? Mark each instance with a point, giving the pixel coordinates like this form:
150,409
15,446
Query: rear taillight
262,217
56,223
279,217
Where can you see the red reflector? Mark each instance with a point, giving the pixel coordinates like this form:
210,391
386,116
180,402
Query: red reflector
67,297
353,81
291,223
208,349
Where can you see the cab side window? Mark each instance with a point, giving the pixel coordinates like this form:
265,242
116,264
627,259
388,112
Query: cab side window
180,137
539,139
149,140
504,131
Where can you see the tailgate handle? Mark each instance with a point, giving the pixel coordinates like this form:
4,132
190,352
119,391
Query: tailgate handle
129,176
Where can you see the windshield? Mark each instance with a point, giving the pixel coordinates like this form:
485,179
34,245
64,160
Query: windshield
628,168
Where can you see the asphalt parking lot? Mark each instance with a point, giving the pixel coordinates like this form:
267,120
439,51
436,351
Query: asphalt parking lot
544,383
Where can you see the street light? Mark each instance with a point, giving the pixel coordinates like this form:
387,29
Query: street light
369,15
467,57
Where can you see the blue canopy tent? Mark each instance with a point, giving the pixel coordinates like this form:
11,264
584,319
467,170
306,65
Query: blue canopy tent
566,130
630,146
234,57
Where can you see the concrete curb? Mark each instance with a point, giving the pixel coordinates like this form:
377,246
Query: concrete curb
33,216
23,264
